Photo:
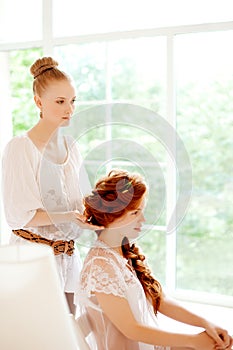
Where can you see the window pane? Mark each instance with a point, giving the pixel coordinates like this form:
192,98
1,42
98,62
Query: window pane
86,64
138,69
86,17
153,244
24,112
129,70
204,107
20,20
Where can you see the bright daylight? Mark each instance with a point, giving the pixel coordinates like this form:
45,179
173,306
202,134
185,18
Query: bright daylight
116,216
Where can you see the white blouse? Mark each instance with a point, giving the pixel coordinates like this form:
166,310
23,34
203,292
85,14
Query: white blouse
31,182
105,271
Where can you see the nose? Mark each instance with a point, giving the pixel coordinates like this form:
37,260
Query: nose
69,109
142,217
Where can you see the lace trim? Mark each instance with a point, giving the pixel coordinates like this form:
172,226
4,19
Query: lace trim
104,272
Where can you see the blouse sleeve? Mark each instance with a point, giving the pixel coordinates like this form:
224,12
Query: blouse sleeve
21,195
103,276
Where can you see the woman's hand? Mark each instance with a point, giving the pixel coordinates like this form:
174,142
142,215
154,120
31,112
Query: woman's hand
219,335
203,341
81,221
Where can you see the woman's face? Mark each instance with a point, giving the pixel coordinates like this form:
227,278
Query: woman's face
131,222
57,103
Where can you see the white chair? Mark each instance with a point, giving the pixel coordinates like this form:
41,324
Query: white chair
33,310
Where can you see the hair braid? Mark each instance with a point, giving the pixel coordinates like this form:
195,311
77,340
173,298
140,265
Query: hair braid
151,286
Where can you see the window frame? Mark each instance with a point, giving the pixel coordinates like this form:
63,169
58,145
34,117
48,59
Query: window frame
47,44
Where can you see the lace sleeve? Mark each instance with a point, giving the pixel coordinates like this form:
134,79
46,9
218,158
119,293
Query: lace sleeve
104,276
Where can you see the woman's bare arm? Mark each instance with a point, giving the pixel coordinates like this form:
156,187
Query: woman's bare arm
177,312
119,312
43,218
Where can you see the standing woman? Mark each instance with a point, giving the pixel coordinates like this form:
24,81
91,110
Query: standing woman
41,170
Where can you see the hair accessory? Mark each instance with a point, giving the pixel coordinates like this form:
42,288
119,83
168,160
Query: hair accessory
127,187
43,72
89,219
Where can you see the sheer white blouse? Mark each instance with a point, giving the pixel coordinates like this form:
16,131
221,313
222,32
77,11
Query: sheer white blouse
105,271
31,182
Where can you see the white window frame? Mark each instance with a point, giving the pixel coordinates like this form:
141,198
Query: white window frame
47,44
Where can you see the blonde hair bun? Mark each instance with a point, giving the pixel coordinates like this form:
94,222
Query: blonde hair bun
41,65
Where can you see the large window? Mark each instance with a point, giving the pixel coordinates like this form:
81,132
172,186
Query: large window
152,99
204,119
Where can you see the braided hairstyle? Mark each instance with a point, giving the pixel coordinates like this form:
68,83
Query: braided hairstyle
113,196
44,70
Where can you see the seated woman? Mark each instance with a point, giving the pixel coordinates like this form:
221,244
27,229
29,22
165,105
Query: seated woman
117,291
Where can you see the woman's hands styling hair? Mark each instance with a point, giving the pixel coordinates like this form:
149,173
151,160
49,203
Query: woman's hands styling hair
81,221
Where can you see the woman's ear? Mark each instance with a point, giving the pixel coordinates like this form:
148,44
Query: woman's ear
37,100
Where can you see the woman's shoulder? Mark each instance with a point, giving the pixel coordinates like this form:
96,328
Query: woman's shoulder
104,258
18,141
102,272
19,147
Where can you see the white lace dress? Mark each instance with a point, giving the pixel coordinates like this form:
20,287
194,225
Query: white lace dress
105,271
32,182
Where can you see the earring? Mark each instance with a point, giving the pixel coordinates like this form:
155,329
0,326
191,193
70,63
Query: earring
41,116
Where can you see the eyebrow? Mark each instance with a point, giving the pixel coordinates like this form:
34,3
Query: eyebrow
65,97
136,209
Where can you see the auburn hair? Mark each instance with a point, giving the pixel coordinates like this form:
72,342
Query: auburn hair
113,196
44,70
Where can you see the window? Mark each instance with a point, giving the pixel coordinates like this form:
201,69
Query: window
20,21
91,17
151,98
204,119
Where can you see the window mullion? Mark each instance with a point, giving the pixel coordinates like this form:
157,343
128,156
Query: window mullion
47,27
5,127
171,171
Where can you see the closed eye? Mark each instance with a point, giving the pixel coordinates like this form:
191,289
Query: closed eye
136,212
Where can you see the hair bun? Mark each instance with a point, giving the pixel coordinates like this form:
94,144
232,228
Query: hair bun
41,65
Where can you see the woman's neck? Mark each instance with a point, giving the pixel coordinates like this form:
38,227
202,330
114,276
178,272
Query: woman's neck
44,133
49,142
112,238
